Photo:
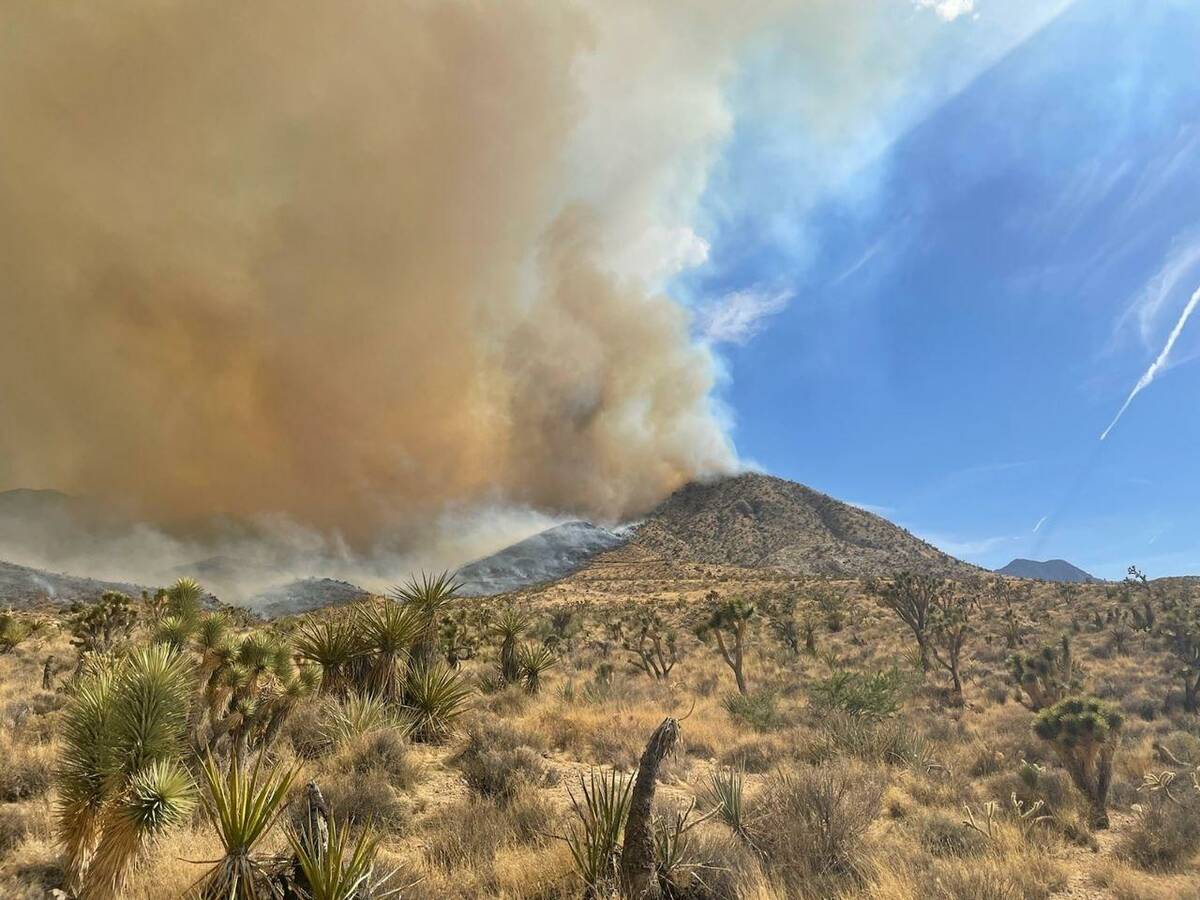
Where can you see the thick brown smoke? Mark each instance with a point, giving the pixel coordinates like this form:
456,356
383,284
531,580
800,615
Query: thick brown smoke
332,260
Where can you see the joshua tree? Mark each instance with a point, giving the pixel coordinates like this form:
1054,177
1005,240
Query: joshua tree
1045,677
727,625
911,597
1181,628
434,696
102,626
781,617
651,642
429,596
950,630
1084,733
120,779
184,598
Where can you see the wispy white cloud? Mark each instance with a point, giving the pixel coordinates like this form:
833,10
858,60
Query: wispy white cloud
966,548
1160,362
947,9
1147,307
739,316
1040,523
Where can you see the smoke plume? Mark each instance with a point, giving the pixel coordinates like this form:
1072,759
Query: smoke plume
352,263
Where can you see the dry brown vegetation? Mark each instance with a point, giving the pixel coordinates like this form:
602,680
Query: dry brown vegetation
844,771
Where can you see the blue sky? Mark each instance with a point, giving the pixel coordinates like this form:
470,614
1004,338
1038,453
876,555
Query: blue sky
938,312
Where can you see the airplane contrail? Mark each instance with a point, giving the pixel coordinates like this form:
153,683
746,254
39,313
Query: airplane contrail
1041,522
1158,364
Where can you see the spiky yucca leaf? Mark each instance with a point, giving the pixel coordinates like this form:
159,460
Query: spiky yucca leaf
149,713
159,797
595,840
429,596
725,796
339,870
242,806
174,631
211,633
435,695
534,660
358,715
184,597
331,642
388,632
80,773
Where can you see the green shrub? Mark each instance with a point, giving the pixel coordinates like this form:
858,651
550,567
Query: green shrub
757,710
874,694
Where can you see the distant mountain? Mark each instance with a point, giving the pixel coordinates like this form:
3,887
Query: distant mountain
761,522
546,556
23,586
1049,570
303,595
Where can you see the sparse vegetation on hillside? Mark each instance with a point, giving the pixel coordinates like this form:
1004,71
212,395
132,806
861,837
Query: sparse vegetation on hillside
341,754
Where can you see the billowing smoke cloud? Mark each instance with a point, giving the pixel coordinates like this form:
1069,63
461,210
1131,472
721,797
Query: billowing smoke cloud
354,262
354,270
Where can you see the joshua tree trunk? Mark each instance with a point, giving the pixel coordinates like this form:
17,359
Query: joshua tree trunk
48,674
637,854
1092,777
734,660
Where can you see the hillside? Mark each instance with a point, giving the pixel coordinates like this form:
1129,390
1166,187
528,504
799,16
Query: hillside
1047,570
760,522
22,586
545,556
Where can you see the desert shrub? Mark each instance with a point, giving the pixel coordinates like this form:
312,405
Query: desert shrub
813,821
944,835
15,823
367,799
26,773
756,710
1165,833
892,742
875,694
496,762
466,835
305,733
756,755
384,753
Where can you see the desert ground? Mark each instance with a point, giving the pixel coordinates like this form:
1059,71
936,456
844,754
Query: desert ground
845,769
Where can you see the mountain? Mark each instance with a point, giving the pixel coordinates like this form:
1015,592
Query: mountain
761,522
1048,570
546,556
303,595
23,586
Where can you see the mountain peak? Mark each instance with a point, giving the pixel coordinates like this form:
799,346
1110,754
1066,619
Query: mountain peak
1047,570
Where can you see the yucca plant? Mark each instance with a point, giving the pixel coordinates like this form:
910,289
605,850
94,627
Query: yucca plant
725,796
509,626
184,598
331,642
435,696
535,660
388,631
596,837
338,869
175,632
119,782
241,805
358,715
428,596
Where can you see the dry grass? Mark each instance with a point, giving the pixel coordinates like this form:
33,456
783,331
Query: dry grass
840,806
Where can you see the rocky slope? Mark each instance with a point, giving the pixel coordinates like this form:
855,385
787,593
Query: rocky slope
760,522
545,556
